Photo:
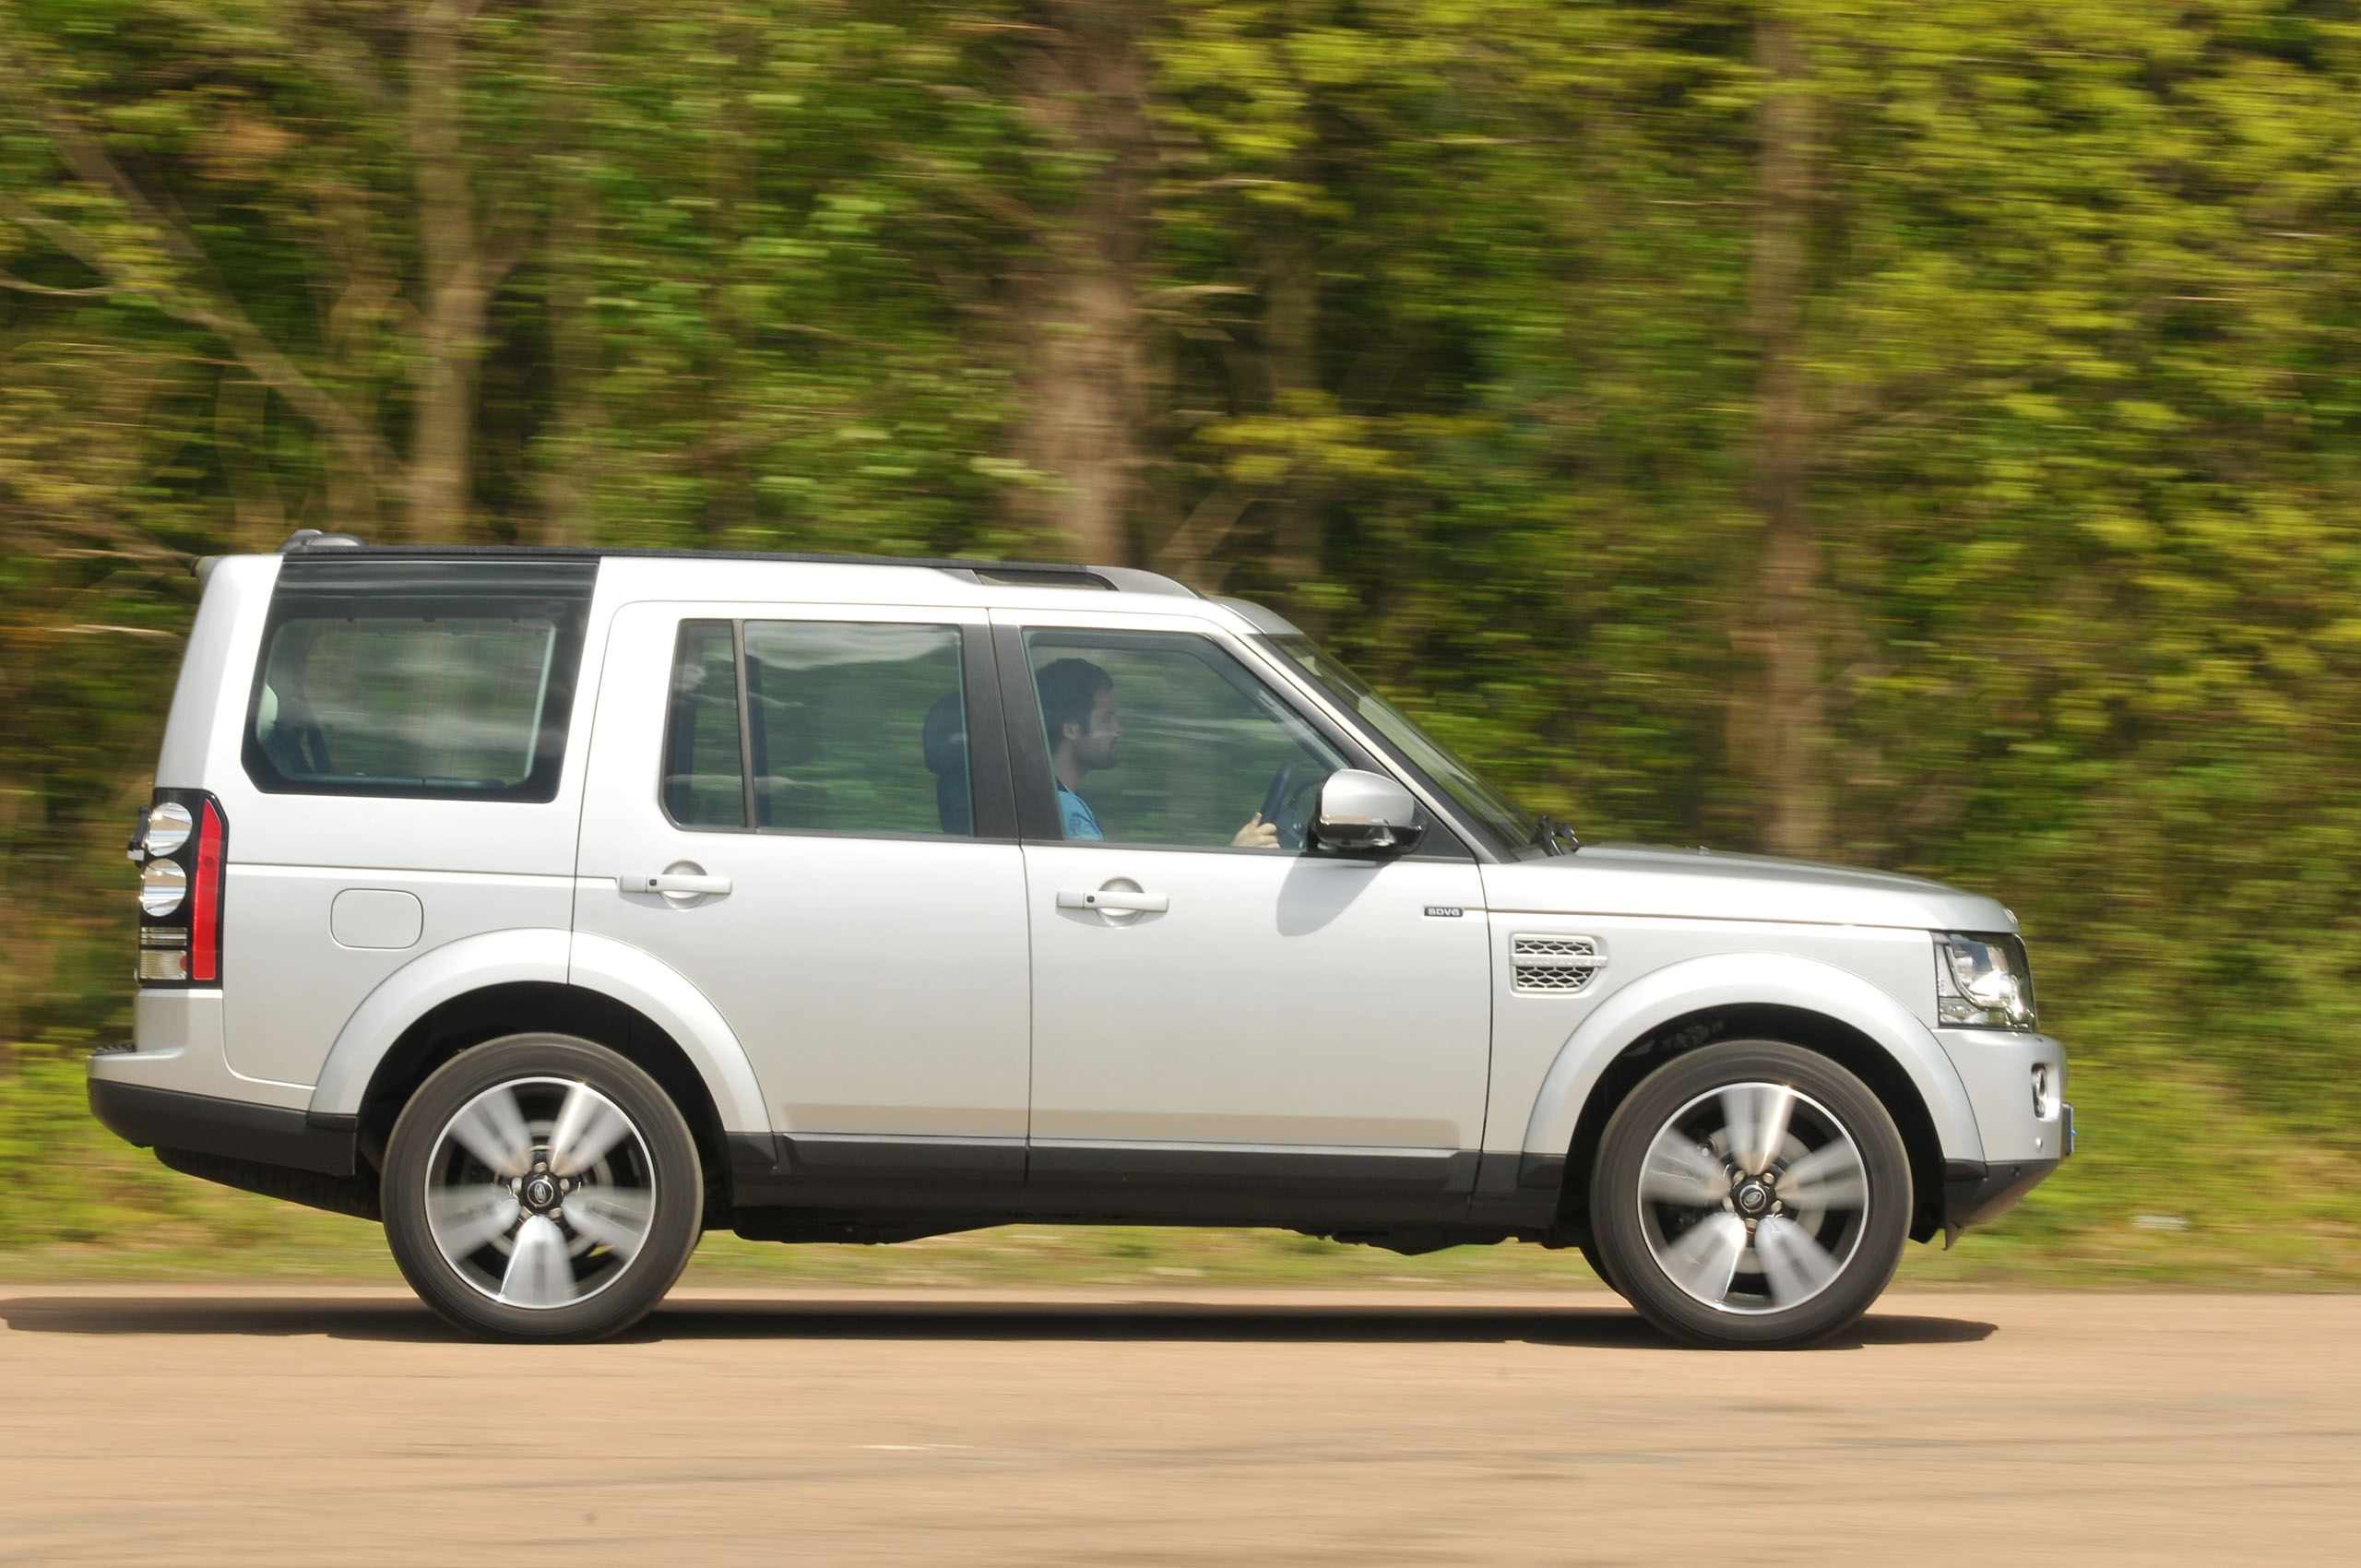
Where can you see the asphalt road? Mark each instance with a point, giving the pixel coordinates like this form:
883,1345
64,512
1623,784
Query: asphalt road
177,1424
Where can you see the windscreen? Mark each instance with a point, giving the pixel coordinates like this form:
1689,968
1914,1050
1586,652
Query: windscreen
1480,800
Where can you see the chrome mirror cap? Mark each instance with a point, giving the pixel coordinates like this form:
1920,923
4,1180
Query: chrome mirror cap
1366,813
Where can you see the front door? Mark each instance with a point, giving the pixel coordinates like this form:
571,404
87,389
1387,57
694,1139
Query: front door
784,807
1212,1003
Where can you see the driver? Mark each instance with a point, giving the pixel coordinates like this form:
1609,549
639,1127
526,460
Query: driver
1078,711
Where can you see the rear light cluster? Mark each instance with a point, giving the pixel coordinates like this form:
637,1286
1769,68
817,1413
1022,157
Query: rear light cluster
180,846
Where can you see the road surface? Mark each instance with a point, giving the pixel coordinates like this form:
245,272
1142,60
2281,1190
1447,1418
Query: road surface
267,1425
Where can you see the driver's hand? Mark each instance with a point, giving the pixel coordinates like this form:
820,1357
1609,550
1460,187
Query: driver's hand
1258,835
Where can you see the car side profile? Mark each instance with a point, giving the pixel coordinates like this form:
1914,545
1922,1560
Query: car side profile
555,906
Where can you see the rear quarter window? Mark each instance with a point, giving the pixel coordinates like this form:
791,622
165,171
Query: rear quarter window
418,679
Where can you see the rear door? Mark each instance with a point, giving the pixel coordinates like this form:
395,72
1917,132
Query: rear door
784,806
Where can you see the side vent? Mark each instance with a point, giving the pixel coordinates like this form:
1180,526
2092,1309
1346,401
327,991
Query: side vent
1555,966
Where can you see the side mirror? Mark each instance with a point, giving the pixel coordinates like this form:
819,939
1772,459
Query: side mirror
1365,814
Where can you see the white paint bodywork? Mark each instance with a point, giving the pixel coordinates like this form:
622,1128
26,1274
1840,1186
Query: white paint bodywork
1690,931
1250,1012
549,957
932,988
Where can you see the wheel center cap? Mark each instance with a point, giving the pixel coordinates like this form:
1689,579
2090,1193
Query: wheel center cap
1753,1197
540,1191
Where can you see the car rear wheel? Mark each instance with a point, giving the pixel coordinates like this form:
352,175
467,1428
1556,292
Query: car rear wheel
542,1187
1750,1194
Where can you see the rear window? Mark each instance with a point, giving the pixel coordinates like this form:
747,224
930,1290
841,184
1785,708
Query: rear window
418,679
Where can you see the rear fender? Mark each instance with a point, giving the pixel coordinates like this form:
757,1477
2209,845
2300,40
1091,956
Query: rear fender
556,958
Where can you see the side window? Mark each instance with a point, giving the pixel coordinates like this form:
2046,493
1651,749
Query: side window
705,773
1161,737
426,679
848,727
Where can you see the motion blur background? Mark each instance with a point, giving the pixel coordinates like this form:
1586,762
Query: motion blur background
1917,435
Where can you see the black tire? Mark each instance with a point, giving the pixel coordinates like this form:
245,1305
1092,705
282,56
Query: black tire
594,1287
1597,1260
1844,1165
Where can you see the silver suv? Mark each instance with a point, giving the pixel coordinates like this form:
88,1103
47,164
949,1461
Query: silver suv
555,906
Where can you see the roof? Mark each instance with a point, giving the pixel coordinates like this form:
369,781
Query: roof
312,544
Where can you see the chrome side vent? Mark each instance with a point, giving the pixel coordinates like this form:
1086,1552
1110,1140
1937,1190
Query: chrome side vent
1555,966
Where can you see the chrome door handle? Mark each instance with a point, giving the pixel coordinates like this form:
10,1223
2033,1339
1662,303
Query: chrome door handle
673,882
1114,898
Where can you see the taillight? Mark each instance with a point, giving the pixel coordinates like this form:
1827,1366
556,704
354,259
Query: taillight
205,914
183,846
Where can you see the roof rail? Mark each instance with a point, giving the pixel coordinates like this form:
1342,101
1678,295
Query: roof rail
1011,574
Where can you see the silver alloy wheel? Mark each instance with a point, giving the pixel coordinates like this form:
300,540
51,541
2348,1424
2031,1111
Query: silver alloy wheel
1754,1198
539,1192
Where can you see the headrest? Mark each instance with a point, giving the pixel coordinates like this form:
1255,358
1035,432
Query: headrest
946,735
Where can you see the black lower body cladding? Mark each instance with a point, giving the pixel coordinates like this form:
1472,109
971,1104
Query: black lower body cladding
1977,1194
231,1129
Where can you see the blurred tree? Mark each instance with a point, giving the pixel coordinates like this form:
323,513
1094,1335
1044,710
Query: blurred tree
1922,435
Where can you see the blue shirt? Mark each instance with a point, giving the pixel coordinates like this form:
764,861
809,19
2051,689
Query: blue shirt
1078,819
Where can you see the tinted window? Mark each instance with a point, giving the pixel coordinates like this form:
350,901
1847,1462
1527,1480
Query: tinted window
858,726
418,678
1181,745
705,776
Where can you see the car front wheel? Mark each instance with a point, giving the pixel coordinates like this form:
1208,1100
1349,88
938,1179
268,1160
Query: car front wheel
542,1187
1751,1194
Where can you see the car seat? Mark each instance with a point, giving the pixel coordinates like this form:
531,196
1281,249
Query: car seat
947,758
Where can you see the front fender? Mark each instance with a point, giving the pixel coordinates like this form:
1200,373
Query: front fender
552,957
1748,980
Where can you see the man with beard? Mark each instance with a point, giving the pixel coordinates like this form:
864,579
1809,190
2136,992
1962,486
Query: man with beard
1085,732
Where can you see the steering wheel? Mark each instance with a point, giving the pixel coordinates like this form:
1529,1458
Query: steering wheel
1282,804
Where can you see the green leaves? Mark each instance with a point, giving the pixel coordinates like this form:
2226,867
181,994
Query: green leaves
1435,329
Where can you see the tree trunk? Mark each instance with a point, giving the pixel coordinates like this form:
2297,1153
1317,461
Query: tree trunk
451,314
1787,751
1080,321
731,193
568,443
1290,346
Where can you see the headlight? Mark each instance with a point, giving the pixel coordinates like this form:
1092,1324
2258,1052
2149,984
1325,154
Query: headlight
1982,980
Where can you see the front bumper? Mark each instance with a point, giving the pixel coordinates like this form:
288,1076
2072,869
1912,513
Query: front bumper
1976,1192
2016,1123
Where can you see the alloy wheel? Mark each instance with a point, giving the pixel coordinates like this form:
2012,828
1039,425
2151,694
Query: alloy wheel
1753,1197
539,1192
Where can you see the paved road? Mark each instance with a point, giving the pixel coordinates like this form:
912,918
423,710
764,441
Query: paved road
189,1425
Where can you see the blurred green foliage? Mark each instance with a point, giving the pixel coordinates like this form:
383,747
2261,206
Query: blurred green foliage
1435,322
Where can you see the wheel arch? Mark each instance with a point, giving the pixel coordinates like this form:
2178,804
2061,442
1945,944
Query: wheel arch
511,983
1802,1002
536,1007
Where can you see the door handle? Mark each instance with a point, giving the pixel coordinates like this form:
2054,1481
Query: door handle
674,882
1114,898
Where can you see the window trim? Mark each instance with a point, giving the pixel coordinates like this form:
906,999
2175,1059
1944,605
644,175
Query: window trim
665,734
991,795
1027,749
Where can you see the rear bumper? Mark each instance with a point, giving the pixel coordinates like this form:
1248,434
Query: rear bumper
264,1134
